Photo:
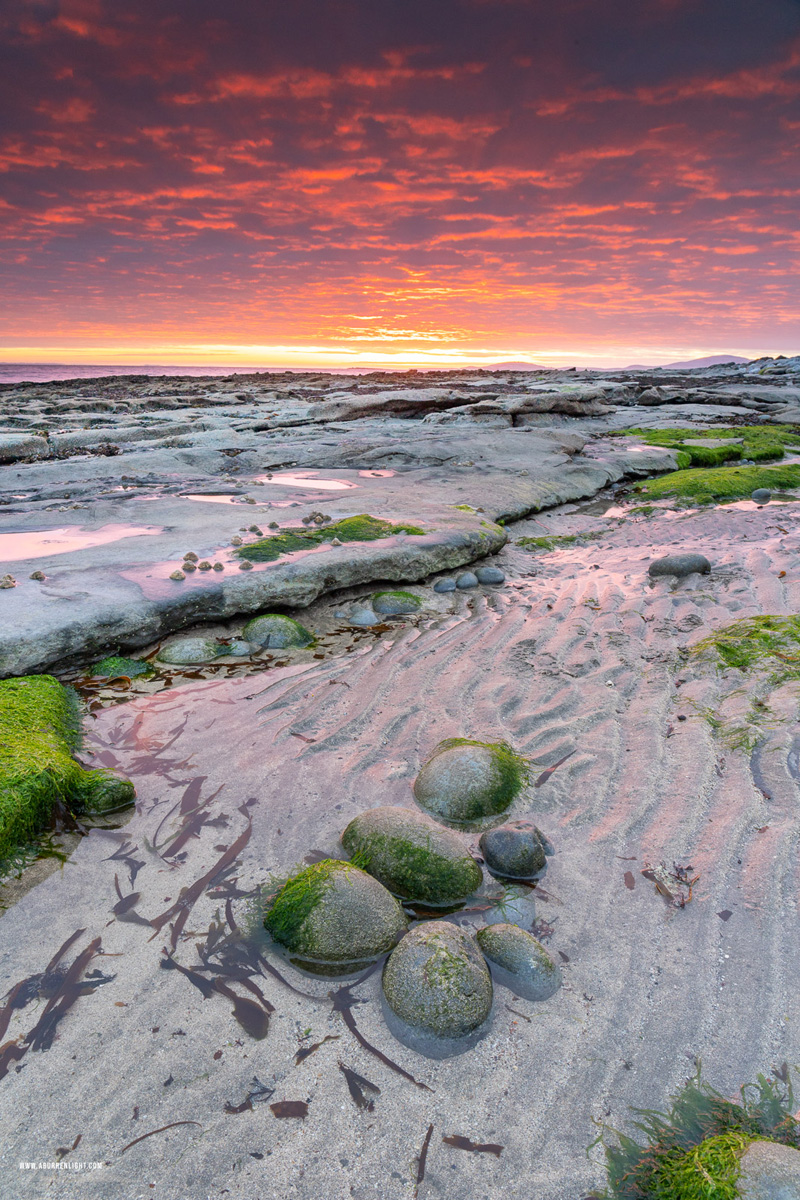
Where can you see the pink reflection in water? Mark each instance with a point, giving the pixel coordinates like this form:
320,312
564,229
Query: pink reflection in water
308,479
376,474
42,543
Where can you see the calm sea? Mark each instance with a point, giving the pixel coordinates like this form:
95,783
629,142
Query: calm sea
45,372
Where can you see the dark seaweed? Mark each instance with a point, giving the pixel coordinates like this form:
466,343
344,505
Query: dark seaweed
306,1051
545,775
463,1143
172,1125
258,1094
290,1108
356,1084
422,1160
630,882
343,1002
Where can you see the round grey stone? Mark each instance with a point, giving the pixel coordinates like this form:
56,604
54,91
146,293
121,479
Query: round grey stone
239,648
437,981
490,575
411,856
187,651
761,495
362,617
515,850
523,963
394,604
276,632
680,565
769,1171
467,580
466,783
445,585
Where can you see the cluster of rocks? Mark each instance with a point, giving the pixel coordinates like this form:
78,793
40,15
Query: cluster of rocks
337,916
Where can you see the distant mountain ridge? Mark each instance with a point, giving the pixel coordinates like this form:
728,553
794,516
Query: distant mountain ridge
711,360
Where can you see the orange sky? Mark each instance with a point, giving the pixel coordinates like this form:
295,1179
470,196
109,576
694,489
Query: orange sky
343,183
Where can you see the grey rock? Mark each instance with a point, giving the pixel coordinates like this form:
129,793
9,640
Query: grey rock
437,981
392,604
490,575
516,850
445,585
363,617
464,782
352,918
276,632
523,963
680,565
239,648
411,856
467,580
761,495
186,651
769,1171
14,446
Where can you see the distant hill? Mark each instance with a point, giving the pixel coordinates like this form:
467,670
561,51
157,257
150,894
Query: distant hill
711,360
517,366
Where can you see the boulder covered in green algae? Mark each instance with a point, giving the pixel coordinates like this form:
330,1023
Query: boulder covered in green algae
524,964
334,918
190,651
437,981
115,666
275,632
411,856
395,604
39,731
466,782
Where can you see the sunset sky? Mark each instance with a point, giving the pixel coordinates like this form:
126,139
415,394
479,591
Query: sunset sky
399,181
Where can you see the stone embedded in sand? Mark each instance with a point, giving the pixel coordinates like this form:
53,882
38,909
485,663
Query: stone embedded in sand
490,575
393,604
275,632
437,982
680,565
363,617
467,580
516,850
412,856
466,781
761,495
525,965
769,1171
184,652
335,915
445,585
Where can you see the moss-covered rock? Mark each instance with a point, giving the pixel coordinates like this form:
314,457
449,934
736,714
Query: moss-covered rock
516,850
334,918
190,651
411,856
39,731
522,962
361,528
276,632
721,483
437,982
464,782
116,666
395,604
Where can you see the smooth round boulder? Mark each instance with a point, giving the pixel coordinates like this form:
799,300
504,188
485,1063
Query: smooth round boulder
412,857
184,652
467,580
521,963
239,649
490,575
437,982
363,618
680,565
395,604
445,585
761,495
334,918
769,1171
275,632
516,850
466,782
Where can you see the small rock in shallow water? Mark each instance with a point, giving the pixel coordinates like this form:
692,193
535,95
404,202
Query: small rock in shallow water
239,648
363,617
769,1171
185,651
761,495
437,982
465,781
177,575
218,566
236,541
245,565
189,565
490,575
445,585
516,850
190,556
524,964
276,632
393,604
204,565
467,580
680,565
39,576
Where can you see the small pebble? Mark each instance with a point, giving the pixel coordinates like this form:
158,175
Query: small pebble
39,575
177,575
467,580
253,528
245,565
363,616
335,542
204,565
490,575
190,556
273,525
218,566
8,581
189,565
445,585
236,541
761,495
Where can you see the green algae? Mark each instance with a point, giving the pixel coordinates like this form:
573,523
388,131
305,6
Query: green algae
706,486
513,771
693,1151
418,873
557,540
753,642
362,528
298,898
758,442
116,666
39,732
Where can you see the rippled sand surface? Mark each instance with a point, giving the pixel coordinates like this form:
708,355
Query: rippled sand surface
239,779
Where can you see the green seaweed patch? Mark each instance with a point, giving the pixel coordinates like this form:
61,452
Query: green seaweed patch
464,508
116,666
513,770
418,872
755,642
693,1151
757,442
557,541
706,486
39,732
362,528
298,898
642,510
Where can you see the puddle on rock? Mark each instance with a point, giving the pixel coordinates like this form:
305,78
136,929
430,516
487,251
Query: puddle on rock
15,547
